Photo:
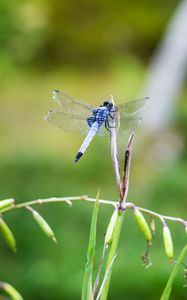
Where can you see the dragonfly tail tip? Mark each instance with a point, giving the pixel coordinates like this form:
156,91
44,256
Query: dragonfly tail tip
78,156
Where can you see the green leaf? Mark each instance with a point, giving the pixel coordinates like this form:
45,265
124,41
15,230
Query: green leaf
87,293
105,277
110,228
168,288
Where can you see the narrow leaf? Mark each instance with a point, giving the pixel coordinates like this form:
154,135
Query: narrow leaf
8,235
42,224
87,293
105,277
168,288
96,283
110,228
11,291
112,251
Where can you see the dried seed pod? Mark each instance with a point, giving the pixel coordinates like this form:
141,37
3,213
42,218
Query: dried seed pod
144,227
11,291
110,228
146,259
6,203
152,226
8,235
42,224
168,243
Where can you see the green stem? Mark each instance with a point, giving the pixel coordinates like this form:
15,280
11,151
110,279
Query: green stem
69,201
112,252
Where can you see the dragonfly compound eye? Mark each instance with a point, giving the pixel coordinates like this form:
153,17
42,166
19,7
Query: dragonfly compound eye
108,104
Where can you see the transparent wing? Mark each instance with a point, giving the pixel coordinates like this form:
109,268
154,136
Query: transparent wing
127,124
70,105
123,125
68,122
133,108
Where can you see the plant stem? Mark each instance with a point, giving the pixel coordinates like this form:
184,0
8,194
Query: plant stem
157,215
85,198
105,277
112,252
114,150
123,192
96,284
126,169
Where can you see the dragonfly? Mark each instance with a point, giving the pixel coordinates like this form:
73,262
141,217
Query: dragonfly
78,117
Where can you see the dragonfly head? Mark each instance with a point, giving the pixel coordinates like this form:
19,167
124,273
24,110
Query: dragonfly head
108,104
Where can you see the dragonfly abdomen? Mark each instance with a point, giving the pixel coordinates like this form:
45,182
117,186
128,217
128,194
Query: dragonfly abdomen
92,132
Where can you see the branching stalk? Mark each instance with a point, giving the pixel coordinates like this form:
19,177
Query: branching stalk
69,200
123,191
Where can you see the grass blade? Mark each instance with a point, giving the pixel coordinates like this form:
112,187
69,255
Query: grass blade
96,284
87,293
168,288
112,251
105,277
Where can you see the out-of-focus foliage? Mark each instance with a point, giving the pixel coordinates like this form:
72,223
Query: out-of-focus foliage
80,32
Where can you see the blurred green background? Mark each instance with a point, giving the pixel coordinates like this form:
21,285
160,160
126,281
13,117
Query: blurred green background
90,49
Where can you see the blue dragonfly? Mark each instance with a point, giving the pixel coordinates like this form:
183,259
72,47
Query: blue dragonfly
81,118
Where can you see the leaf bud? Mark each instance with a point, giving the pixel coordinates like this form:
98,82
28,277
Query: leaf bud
8,235
168,243
142,223
42,224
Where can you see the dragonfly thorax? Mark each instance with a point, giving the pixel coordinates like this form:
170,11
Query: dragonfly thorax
101,113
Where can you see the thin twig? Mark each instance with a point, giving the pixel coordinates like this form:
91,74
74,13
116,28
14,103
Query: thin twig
88,199
158,215
127,160
67,200
44,201
114,152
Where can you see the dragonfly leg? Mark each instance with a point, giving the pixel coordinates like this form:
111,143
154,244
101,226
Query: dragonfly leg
107,125
111,116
